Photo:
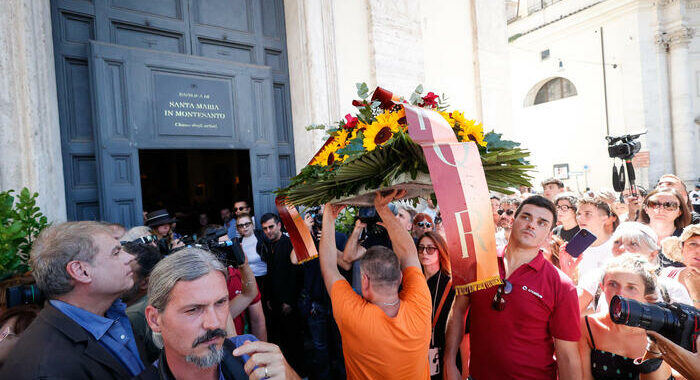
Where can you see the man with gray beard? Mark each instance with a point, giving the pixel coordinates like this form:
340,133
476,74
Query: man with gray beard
188,313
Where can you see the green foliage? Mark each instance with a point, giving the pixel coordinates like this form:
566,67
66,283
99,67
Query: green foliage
362,90
346,220
20,223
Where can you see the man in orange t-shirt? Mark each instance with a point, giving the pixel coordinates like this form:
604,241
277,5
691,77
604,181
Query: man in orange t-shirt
385,333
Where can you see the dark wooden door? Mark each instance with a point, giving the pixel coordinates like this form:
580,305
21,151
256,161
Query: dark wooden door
103,124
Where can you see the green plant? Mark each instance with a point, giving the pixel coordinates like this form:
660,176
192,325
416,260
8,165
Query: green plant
20,223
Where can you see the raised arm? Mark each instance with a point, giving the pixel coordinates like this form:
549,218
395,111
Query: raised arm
401,240
454,333
353,250
327,251
248,292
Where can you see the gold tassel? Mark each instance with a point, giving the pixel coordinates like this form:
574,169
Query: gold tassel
308,259
463,290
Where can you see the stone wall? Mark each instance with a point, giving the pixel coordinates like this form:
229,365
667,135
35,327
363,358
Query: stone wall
30,145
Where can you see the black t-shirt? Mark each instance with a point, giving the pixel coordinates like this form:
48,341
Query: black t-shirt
282,275
566,234
436,285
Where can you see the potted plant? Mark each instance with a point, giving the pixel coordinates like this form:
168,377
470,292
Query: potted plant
20,223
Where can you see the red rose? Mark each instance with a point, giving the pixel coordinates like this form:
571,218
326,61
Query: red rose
429,100
350,122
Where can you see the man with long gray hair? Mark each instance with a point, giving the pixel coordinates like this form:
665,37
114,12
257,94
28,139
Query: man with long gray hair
188,312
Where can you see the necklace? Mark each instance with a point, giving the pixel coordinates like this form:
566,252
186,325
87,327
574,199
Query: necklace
390,303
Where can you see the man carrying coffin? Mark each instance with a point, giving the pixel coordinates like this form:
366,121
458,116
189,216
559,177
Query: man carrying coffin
385,333
517,328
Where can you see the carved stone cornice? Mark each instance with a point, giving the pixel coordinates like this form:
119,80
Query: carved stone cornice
680,36
661,40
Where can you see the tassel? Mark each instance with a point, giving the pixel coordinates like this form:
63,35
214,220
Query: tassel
463,290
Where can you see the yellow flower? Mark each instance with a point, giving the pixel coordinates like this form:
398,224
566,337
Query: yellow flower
380,131
328,155
448,118
342,138
470,131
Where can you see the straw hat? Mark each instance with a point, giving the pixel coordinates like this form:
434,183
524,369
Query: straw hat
672,246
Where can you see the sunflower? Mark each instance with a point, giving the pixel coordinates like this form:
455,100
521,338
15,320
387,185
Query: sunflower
470,131
342,138
447,116
380,131
327,156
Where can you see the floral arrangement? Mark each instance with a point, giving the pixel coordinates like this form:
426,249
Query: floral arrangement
371,149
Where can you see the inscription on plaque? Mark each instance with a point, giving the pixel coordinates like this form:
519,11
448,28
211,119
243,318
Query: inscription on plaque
193,106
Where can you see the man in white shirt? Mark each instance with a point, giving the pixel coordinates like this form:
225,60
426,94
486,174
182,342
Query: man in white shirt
592,213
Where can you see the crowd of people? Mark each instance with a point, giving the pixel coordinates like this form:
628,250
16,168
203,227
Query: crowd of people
235,302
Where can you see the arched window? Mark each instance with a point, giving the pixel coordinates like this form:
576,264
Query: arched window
555,89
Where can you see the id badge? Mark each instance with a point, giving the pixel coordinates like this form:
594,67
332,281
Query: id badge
434,359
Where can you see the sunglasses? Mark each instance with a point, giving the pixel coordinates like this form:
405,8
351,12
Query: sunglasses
424,224
499,303
565,208
668,206
244,225
507,212
240,208
427,248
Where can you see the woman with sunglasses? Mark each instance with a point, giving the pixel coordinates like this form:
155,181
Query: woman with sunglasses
422,223
667,213
433,256
609,350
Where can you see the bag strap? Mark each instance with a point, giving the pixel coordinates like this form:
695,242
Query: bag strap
442,301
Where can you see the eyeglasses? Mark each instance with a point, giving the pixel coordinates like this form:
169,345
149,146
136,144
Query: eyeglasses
244,225
424,224
499,303
668,206
427,248
565,208
508,212
240,208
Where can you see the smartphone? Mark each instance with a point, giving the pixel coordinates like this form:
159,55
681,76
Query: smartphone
582,240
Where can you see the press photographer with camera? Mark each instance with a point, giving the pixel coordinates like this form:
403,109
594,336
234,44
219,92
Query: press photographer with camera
385,333
608,350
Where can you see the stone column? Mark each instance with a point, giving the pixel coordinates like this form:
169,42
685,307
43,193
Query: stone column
396,40
683,125
659,138
30,141
312,65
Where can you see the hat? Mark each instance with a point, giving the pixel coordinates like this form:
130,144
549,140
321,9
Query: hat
673,245
158,218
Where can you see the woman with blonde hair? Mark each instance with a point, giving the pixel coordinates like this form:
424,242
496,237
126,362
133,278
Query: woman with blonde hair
435,260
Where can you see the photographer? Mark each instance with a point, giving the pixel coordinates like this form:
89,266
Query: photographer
385,333
685,362
608,350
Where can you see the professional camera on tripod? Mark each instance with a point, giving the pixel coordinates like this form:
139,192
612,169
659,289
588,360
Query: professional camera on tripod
228,252
678,322
624,147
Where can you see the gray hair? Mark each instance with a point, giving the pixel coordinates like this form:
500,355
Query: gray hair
58,245
187,264
136,233
639,233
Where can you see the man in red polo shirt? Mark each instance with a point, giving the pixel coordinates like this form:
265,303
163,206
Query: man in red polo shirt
517,328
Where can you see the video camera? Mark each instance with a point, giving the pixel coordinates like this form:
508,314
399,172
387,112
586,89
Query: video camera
370,217
228,252
678,322
624,147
